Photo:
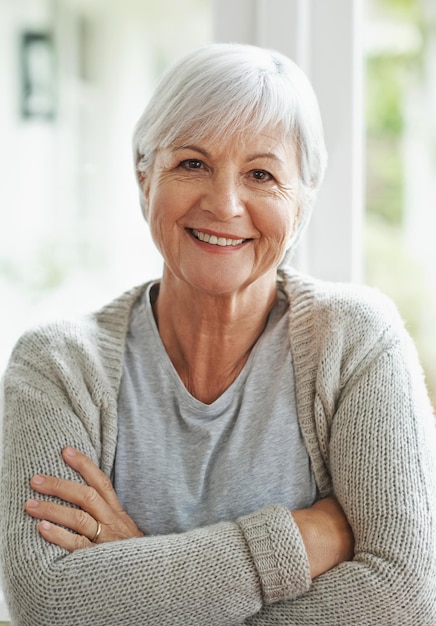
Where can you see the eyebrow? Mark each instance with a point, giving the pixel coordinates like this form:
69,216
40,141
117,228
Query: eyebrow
192,147
250,158
264,155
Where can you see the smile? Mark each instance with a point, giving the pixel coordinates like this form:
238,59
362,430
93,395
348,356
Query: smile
216,241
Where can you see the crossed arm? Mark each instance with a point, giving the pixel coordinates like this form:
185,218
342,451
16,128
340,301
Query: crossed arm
220,574
324,529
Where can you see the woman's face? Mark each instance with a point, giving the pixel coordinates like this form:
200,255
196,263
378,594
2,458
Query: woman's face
222,214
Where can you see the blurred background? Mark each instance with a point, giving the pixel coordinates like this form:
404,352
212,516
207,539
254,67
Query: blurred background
75,76
400,178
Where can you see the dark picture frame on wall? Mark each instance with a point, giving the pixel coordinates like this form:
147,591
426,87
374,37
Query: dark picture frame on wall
38,81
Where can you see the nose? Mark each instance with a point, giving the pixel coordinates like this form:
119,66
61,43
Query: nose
224,197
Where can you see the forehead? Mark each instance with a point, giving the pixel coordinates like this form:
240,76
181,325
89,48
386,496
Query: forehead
268,144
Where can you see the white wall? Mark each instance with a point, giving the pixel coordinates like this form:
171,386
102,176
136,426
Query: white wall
26,158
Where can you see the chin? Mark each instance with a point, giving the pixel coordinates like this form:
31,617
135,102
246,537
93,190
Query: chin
228,283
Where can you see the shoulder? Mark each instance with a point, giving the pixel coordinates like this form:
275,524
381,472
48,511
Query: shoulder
341,308
342,329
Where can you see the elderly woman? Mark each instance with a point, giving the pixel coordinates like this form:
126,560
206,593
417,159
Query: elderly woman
234,443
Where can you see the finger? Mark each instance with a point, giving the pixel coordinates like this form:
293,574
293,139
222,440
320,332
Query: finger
92,475
63,538
83,496
74,519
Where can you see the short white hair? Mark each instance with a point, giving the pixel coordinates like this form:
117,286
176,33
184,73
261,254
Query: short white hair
221,90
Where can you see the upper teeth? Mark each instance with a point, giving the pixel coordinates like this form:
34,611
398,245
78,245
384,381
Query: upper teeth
217,241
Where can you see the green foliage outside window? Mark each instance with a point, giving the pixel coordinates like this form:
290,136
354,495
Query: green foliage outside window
391,72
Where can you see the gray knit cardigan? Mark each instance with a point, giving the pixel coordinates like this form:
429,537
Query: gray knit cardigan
369,430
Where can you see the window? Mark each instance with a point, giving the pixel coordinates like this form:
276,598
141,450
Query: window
400,225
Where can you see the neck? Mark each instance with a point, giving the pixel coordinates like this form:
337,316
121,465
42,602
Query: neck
209,337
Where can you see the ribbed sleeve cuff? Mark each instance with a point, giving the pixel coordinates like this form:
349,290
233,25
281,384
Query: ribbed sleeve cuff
278,553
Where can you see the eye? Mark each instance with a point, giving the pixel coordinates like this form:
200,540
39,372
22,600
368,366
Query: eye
261,175
192,164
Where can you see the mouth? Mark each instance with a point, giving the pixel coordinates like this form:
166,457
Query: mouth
216,241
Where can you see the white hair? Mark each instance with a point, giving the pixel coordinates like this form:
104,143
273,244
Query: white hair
224,89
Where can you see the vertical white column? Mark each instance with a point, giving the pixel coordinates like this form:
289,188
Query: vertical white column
324,38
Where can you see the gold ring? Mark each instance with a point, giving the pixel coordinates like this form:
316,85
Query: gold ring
97,534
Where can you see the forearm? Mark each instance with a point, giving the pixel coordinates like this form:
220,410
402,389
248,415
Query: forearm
357,593
207,575
221,574
155,581
326,534
383,474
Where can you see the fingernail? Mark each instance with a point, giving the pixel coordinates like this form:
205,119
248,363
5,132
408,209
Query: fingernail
38,479
32,504
45,525
69,451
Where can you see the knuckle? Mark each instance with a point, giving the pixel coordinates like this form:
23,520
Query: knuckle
90,495
82,519
106,483
46,507
82,542
57,484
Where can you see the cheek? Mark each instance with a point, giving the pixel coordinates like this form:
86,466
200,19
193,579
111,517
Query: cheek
291,216
156,216
164,214
155,233
284,223
286,226
158,207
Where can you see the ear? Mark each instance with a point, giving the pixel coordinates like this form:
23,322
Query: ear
144,185
298,213
297,216
141,178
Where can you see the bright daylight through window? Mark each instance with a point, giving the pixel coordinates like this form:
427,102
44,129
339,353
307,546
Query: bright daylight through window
401,164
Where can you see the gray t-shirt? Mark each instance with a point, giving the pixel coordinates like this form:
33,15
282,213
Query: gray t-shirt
182,464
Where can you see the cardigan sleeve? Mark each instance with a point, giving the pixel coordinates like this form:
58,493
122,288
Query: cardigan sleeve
219,574
381,454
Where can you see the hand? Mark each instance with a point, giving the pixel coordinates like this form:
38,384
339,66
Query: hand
326,534
100,517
